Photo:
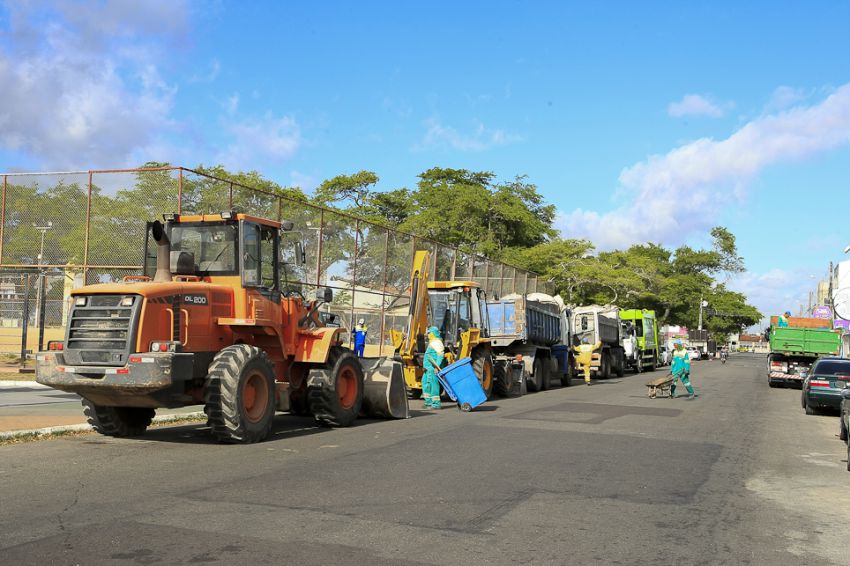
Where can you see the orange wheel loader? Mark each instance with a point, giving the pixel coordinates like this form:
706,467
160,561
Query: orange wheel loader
211,327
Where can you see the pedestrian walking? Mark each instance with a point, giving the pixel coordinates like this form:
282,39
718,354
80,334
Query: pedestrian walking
360,332
681,369
434,356
585,356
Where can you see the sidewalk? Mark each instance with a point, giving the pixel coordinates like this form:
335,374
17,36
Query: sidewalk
29,408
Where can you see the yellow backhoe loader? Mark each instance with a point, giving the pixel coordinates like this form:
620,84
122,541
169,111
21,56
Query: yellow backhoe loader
459,310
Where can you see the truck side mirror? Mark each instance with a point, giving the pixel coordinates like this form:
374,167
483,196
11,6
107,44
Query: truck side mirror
325,294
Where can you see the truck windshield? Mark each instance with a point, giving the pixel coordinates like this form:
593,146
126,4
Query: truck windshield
213,245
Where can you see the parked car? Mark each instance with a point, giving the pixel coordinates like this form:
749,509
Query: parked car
694,354
823,384
844,421
664,356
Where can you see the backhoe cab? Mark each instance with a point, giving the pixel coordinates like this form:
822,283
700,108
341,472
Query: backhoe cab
208,323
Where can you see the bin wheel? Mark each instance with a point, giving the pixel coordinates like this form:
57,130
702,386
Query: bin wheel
465,407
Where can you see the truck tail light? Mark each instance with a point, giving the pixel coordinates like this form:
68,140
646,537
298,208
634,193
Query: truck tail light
56,345
779,366
165,346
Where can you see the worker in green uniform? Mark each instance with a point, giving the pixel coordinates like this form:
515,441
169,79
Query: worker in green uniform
783,320
584,356
681,369
434,356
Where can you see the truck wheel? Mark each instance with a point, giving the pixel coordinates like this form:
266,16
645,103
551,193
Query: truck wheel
546,375
240,394
118,421
501,386
565,373
620,368
482,365
604,371
808,408
335,393
535,380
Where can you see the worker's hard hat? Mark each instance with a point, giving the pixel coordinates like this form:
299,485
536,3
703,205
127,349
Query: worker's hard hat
585,340
433,330
361,321
678,343
787,313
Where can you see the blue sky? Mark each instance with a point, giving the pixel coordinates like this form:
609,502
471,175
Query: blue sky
640,121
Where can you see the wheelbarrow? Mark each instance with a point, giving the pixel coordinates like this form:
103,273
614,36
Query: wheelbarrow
660,386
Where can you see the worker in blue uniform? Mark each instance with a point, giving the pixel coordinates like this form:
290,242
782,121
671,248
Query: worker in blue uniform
360,332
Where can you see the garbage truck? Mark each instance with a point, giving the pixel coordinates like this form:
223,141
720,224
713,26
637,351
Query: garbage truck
532,330
646,332
794,348
600,323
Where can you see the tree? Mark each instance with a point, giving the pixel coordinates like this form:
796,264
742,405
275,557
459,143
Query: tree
355,190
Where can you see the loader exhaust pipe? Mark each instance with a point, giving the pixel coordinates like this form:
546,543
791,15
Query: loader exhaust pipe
163,252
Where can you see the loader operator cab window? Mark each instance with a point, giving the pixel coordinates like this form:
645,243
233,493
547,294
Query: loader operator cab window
212,247
444,314
260,257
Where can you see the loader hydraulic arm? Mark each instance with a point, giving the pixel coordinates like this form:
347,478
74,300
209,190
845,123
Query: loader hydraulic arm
405,344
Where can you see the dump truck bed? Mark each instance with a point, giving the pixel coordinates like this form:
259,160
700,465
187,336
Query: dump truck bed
517,318
805,341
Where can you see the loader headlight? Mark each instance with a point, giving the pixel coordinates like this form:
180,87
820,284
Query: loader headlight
127,302
80,301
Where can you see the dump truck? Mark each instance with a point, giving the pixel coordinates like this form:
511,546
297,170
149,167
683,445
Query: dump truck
595,323
794,348
459,310
213,327
646,332
530,329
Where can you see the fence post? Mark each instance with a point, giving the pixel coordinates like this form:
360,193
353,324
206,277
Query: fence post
42,304
88,230
25,321
2,216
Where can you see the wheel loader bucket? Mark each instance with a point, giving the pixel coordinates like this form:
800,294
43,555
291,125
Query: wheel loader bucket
384,394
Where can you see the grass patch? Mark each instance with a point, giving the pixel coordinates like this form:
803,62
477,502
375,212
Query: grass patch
15,376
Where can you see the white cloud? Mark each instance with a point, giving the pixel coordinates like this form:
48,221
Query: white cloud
784,97
210,75
696,105
438,136
256,142
684,191
775,291
231,103
81,87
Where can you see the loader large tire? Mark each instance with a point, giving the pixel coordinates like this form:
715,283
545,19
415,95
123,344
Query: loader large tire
336,393
500,380
118,421
482,365
239,395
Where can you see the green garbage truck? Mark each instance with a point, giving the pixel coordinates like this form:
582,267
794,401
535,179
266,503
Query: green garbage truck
794,348
646,332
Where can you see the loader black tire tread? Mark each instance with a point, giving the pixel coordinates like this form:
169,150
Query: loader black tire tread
322,397
222,402
118,421
480,360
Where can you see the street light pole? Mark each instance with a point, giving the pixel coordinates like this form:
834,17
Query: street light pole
43,229
702,304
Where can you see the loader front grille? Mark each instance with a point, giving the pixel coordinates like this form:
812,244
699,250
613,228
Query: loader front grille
102,331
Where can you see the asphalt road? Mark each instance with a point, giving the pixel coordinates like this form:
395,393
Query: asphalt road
580,475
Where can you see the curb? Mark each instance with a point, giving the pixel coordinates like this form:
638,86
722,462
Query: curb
18,384
51,430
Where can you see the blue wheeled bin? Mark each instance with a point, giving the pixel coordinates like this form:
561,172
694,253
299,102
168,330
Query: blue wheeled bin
462,385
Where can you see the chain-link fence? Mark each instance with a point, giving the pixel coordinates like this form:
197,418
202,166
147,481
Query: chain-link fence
59,230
